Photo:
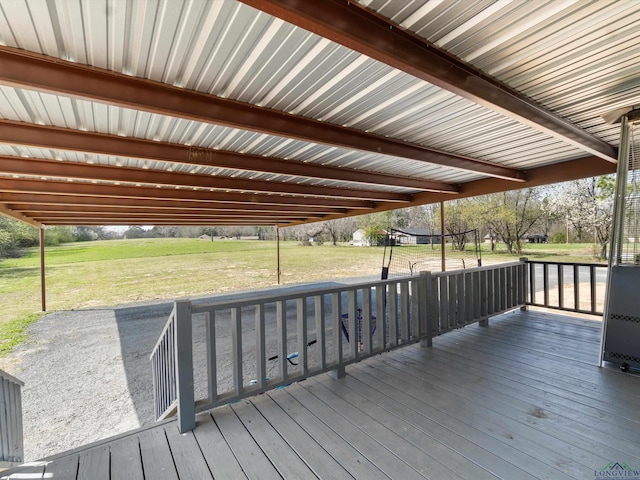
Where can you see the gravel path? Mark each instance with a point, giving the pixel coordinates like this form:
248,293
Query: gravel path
87,373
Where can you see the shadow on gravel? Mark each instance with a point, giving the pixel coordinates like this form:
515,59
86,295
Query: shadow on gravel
139,328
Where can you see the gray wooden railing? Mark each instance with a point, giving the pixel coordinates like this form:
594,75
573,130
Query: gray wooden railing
244,346
572,287
11,443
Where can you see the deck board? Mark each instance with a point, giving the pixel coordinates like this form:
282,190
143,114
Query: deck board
521,398
126,462
94,464
273,425
182,448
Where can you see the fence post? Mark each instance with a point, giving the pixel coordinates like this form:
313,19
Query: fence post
184,367
524,284
336,312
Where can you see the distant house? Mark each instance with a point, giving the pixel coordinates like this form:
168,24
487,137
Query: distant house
535,238
416,236
360,239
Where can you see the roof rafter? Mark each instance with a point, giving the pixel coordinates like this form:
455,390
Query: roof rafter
83,171
371,34
89,190
8,212
31,201
170,223
36,210
38,72
97,143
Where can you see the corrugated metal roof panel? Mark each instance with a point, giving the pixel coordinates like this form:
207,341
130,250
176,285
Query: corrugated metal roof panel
578,58
239,53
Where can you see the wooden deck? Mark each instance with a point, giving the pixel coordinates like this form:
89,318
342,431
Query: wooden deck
520,399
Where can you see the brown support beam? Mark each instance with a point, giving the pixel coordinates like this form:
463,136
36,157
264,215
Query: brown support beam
43,290
8,212
25,203
443,254
155,216
85,171
90,190
102,144
33,71
371,34
168,223
277,254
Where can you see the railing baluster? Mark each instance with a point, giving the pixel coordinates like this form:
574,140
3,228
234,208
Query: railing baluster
261,368
393,315
443,303
494,295
404,311
336,312
236,349
467,297
452,321
592,278
532,282
381,317
576,287
497,291
212,361
281,328
352,315
366,321
560,286
320,331
415,327
301,307
484,295
545,283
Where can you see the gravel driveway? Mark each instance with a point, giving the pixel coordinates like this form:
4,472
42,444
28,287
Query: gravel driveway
87,373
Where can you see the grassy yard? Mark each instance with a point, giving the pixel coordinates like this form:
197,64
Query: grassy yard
108,273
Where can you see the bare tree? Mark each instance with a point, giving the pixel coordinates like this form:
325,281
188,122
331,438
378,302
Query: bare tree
511,215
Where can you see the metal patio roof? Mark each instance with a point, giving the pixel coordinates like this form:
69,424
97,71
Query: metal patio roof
264,112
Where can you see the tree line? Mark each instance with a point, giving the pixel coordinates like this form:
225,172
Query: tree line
578,211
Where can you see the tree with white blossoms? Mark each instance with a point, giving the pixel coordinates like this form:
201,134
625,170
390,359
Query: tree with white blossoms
588,207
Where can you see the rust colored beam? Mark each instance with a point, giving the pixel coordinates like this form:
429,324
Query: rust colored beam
371,34
91,190
46,217
23,69
57,211
7,212
43,288
97,143
30,201
84,171
84,221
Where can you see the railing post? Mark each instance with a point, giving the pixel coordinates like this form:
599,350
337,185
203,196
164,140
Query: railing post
184,367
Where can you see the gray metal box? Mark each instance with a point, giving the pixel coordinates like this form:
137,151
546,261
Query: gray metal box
622,336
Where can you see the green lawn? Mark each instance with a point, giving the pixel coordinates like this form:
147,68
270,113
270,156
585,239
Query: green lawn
109,273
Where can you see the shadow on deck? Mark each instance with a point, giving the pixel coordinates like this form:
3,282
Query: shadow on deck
522,398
